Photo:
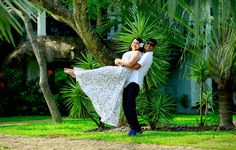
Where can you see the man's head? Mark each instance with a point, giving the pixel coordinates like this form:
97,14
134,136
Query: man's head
150,45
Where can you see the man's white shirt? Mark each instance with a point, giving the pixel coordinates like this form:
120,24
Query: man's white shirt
137,76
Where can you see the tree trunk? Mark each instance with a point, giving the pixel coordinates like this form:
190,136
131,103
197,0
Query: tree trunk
225,105
43,81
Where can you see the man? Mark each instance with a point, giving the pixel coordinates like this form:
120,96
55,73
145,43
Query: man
133,85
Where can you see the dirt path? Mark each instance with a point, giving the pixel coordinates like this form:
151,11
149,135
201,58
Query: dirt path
35,143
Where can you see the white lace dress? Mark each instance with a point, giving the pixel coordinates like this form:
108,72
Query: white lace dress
104,87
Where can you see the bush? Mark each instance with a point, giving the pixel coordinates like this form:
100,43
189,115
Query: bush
19,98
156,108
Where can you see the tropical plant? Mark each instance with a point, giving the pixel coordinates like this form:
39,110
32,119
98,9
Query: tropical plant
87,61
208,96
76,100
212,39
19,98
160,108
78,20
199,73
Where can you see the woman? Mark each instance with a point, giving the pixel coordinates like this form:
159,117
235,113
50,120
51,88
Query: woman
104,86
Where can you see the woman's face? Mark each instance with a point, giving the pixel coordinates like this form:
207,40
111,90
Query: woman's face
135,44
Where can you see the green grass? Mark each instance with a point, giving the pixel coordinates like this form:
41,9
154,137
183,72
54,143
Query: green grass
76,128
22,118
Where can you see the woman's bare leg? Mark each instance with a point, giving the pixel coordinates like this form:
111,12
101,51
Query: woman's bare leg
70,72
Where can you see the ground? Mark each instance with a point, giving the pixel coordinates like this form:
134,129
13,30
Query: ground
57,143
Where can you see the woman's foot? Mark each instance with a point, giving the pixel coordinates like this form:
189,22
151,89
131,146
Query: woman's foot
70,72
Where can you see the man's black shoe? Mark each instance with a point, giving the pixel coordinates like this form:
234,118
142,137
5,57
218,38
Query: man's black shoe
134,132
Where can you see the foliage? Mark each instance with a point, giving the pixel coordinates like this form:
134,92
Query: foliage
157,108
9,19
87,61
18,98
199,73
139,23
208,32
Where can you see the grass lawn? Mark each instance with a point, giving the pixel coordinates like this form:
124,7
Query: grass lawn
75,128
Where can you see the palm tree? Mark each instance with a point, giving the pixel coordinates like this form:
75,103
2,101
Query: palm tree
212,39
199,73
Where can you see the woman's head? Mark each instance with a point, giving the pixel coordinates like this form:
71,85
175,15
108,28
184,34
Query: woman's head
136,44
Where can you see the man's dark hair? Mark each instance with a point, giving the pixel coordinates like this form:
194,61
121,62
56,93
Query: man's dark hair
153,41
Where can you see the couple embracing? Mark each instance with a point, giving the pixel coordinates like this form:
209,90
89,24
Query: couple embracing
110,86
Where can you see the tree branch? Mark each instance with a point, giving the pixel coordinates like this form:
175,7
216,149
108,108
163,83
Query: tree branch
59,12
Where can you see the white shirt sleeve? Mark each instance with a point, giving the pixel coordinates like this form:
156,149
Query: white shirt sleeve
145,58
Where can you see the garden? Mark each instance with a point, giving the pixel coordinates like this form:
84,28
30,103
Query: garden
188,99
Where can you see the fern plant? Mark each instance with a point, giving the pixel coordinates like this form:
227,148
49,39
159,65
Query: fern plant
158,108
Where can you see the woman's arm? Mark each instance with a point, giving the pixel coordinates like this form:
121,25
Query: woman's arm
131,62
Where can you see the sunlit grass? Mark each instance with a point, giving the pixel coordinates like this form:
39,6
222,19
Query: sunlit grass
77,128
23,118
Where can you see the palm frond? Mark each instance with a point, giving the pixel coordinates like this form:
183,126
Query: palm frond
7,20
76,100
158,109
140,25
9,9
87,61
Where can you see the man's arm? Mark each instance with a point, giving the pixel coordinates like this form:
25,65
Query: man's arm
140,63
134,67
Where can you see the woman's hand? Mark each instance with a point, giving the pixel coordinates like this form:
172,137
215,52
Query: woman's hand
118,61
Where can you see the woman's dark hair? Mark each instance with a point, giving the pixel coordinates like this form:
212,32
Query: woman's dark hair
141,49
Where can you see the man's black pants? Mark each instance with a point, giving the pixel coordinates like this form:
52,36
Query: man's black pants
129,105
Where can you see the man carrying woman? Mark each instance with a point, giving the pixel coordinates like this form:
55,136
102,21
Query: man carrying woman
133,85
106,86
